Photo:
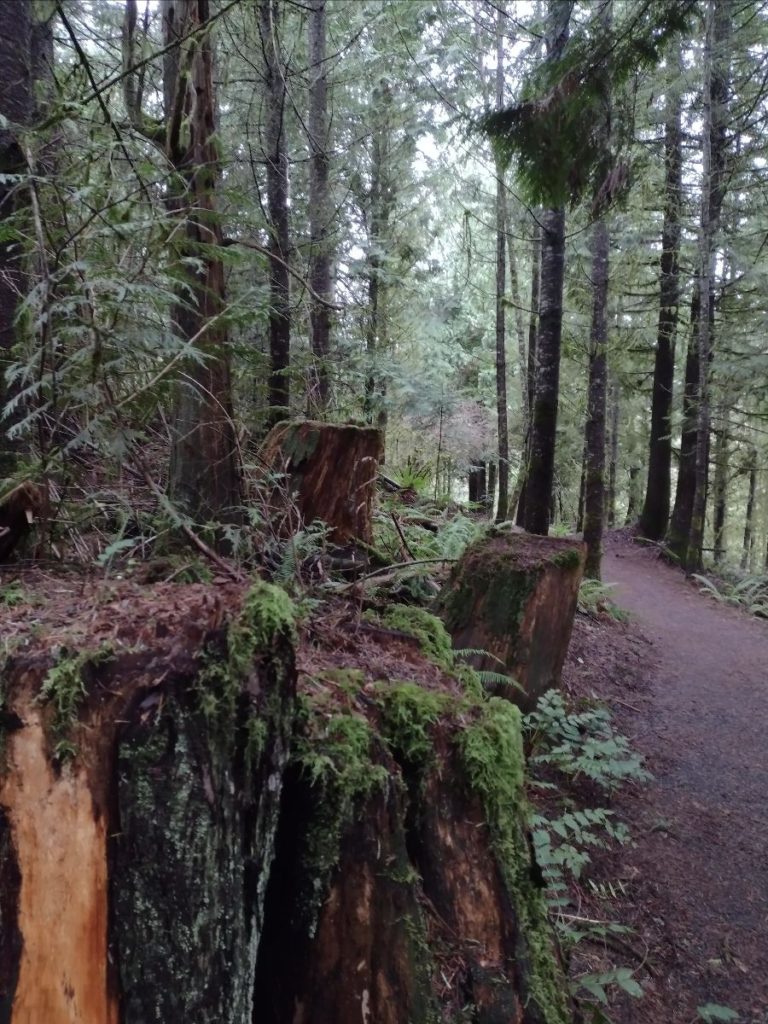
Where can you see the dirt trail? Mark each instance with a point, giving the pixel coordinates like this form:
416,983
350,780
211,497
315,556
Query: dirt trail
700,898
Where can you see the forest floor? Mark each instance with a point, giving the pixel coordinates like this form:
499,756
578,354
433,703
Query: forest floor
687,680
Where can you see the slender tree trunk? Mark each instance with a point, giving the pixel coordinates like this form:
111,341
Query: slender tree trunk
533,324
319,207
582,491
720,494
25,50
655,514
538,492
594,493
746,553
502,509
610,497
713,192
276,156
381,199
204,472
634,495
490,498
680,522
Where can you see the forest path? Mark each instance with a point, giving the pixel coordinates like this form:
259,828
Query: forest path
701,825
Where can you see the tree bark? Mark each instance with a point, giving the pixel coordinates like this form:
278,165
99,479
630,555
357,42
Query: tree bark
714,184
655,514
502,508
319,208
276,155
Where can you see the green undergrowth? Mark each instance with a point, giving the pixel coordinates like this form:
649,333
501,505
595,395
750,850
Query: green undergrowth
595,599
567,747
749,592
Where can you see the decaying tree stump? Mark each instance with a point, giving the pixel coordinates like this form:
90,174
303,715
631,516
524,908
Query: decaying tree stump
138,804
329,470
403,887
19,509
185,837
513,596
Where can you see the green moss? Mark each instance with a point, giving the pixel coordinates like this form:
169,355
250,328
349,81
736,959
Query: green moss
568,559
491,751
267,621
65,688
409,712
424,627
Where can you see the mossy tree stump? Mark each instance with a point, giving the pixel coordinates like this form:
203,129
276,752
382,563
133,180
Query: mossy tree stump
513,596
139,794
323,471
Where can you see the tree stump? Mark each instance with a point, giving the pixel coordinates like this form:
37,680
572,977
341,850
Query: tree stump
403,887
323,471
139,795
513,595
18,511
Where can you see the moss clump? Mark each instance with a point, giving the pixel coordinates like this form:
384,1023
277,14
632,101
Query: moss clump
491,751
65,688
424,627
568,559
267,619
408,714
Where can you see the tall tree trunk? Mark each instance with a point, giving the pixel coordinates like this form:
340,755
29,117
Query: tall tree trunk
746,553
490,497
319,207
538,491
25,49
204,473
381,199
655,514
720,494
276,156
533,325
502,508
594,492
714,157
680,521
613,459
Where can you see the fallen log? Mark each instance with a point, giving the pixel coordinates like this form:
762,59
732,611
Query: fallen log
512,597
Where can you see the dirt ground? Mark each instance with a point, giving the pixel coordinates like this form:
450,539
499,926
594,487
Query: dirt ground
687,679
